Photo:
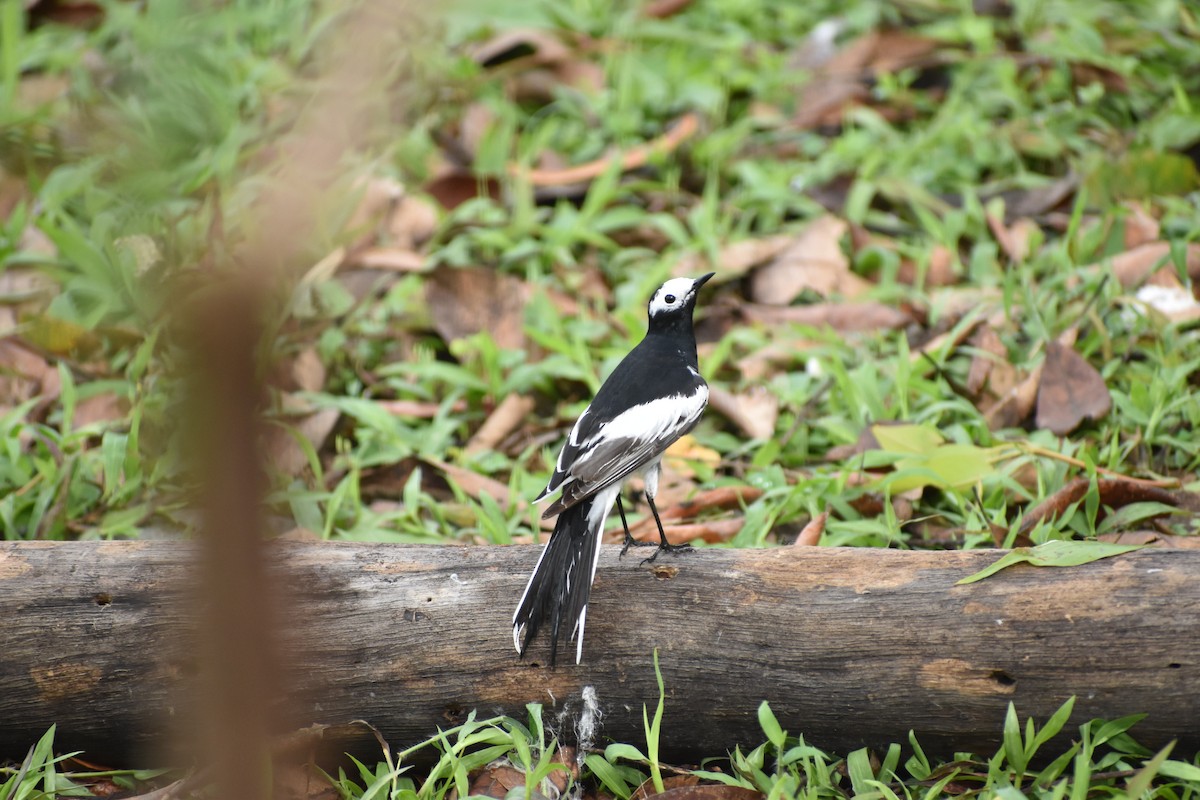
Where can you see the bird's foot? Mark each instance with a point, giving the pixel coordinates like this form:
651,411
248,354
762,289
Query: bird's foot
673,549
632,542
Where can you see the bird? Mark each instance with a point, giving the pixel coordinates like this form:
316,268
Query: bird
653,397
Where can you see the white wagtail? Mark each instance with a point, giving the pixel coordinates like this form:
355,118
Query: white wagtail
654,396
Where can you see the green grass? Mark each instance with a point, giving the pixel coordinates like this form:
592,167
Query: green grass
141,172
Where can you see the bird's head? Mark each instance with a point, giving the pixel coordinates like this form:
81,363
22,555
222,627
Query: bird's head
675,300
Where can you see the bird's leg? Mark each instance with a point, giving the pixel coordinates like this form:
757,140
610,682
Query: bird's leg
629,540
664,545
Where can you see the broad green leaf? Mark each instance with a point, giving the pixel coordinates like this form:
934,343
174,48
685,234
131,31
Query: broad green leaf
1181,770
952,466
770,726
1133,513
1142,779
1055,553
620,750
915,439
858,764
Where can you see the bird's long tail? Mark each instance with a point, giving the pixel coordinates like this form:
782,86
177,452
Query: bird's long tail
557,592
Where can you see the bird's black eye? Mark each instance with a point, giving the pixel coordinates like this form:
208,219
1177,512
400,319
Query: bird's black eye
670,299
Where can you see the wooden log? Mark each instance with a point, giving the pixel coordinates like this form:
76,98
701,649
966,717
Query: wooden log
852,647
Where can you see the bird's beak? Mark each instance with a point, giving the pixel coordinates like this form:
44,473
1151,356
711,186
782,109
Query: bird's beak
696,284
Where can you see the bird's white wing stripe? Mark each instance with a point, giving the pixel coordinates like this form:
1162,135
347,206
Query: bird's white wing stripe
652,420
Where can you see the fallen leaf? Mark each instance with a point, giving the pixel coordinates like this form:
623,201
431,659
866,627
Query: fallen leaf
1070,392
710,531
503,420
990,369
734,258
754,411
939,271
497,780
453,188
1114,493
395,259
283,451
633,158
841,317
725,498
1149,262
814,261
102,407
841,81
1055,553
1151,539
1013,239
1038,200
465,301
379,196
810,535
661,9
412,223
686,450
308,372
1015,406
420,409
1140,227
23,373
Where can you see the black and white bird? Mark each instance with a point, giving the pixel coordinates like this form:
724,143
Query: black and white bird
653,397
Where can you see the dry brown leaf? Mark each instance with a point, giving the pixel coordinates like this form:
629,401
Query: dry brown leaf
1152,539
1014,407
724,498
755,411
502,421
661,9
711,531
814,261
841,81
1013,239
102,407
1114,493
420,409
691,791
453,188
938,272
23,373
379,196
474,484
1071,391
1038,200
990,369
842,317
308,372
810,535
497,780
394,259
534,45
412,223
465,301
633,158
1140,226
735,258
284,453
780,353
1149,262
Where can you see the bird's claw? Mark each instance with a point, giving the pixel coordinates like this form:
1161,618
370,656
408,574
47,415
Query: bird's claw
632,542
673,549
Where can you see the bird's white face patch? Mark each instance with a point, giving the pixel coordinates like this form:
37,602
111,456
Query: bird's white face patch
671,295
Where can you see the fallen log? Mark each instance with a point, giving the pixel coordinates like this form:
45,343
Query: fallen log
852,647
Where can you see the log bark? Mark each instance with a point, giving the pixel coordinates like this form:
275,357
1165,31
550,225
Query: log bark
852,647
